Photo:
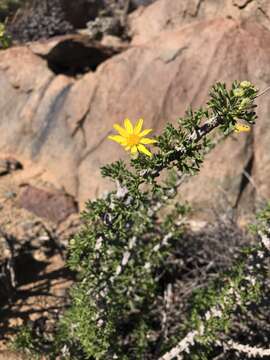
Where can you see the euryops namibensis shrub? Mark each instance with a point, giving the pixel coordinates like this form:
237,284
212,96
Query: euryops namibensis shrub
121,252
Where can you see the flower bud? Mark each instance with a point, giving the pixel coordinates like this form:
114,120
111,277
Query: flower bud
2,30
238,92
72,242
244,103
245,84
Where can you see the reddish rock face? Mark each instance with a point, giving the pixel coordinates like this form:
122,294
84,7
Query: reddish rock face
52,206
180,48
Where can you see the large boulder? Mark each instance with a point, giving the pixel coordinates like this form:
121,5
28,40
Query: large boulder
166,15
58,124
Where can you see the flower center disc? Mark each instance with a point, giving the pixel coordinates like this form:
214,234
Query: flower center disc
133,140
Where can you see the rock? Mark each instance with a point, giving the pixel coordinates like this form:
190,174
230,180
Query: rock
114,42
8,165
11,355
52,206
166,15
28,243
51,119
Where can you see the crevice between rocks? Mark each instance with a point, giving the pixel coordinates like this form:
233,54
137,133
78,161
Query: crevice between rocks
77,56
196,11
49,121
245,180
81,121
246,177
198,7
242,6
264,13
94,148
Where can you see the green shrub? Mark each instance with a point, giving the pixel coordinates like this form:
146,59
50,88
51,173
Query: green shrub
121,253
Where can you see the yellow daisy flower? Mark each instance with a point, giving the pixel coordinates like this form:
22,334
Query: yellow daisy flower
133,138
241,127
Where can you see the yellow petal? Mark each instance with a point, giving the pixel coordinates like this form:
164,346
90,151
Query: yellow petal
118,138
138,126
121,130
145,132
147,141
143,149
134,150
241,128
128,126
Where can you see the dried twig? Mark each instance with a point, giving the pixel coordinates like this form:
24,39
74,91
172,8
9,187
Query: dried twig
167,304
216,312
249,351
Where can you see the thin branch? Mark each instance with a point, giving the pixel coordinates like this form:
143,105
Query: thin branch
250,351
179,151
182,346
263,92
